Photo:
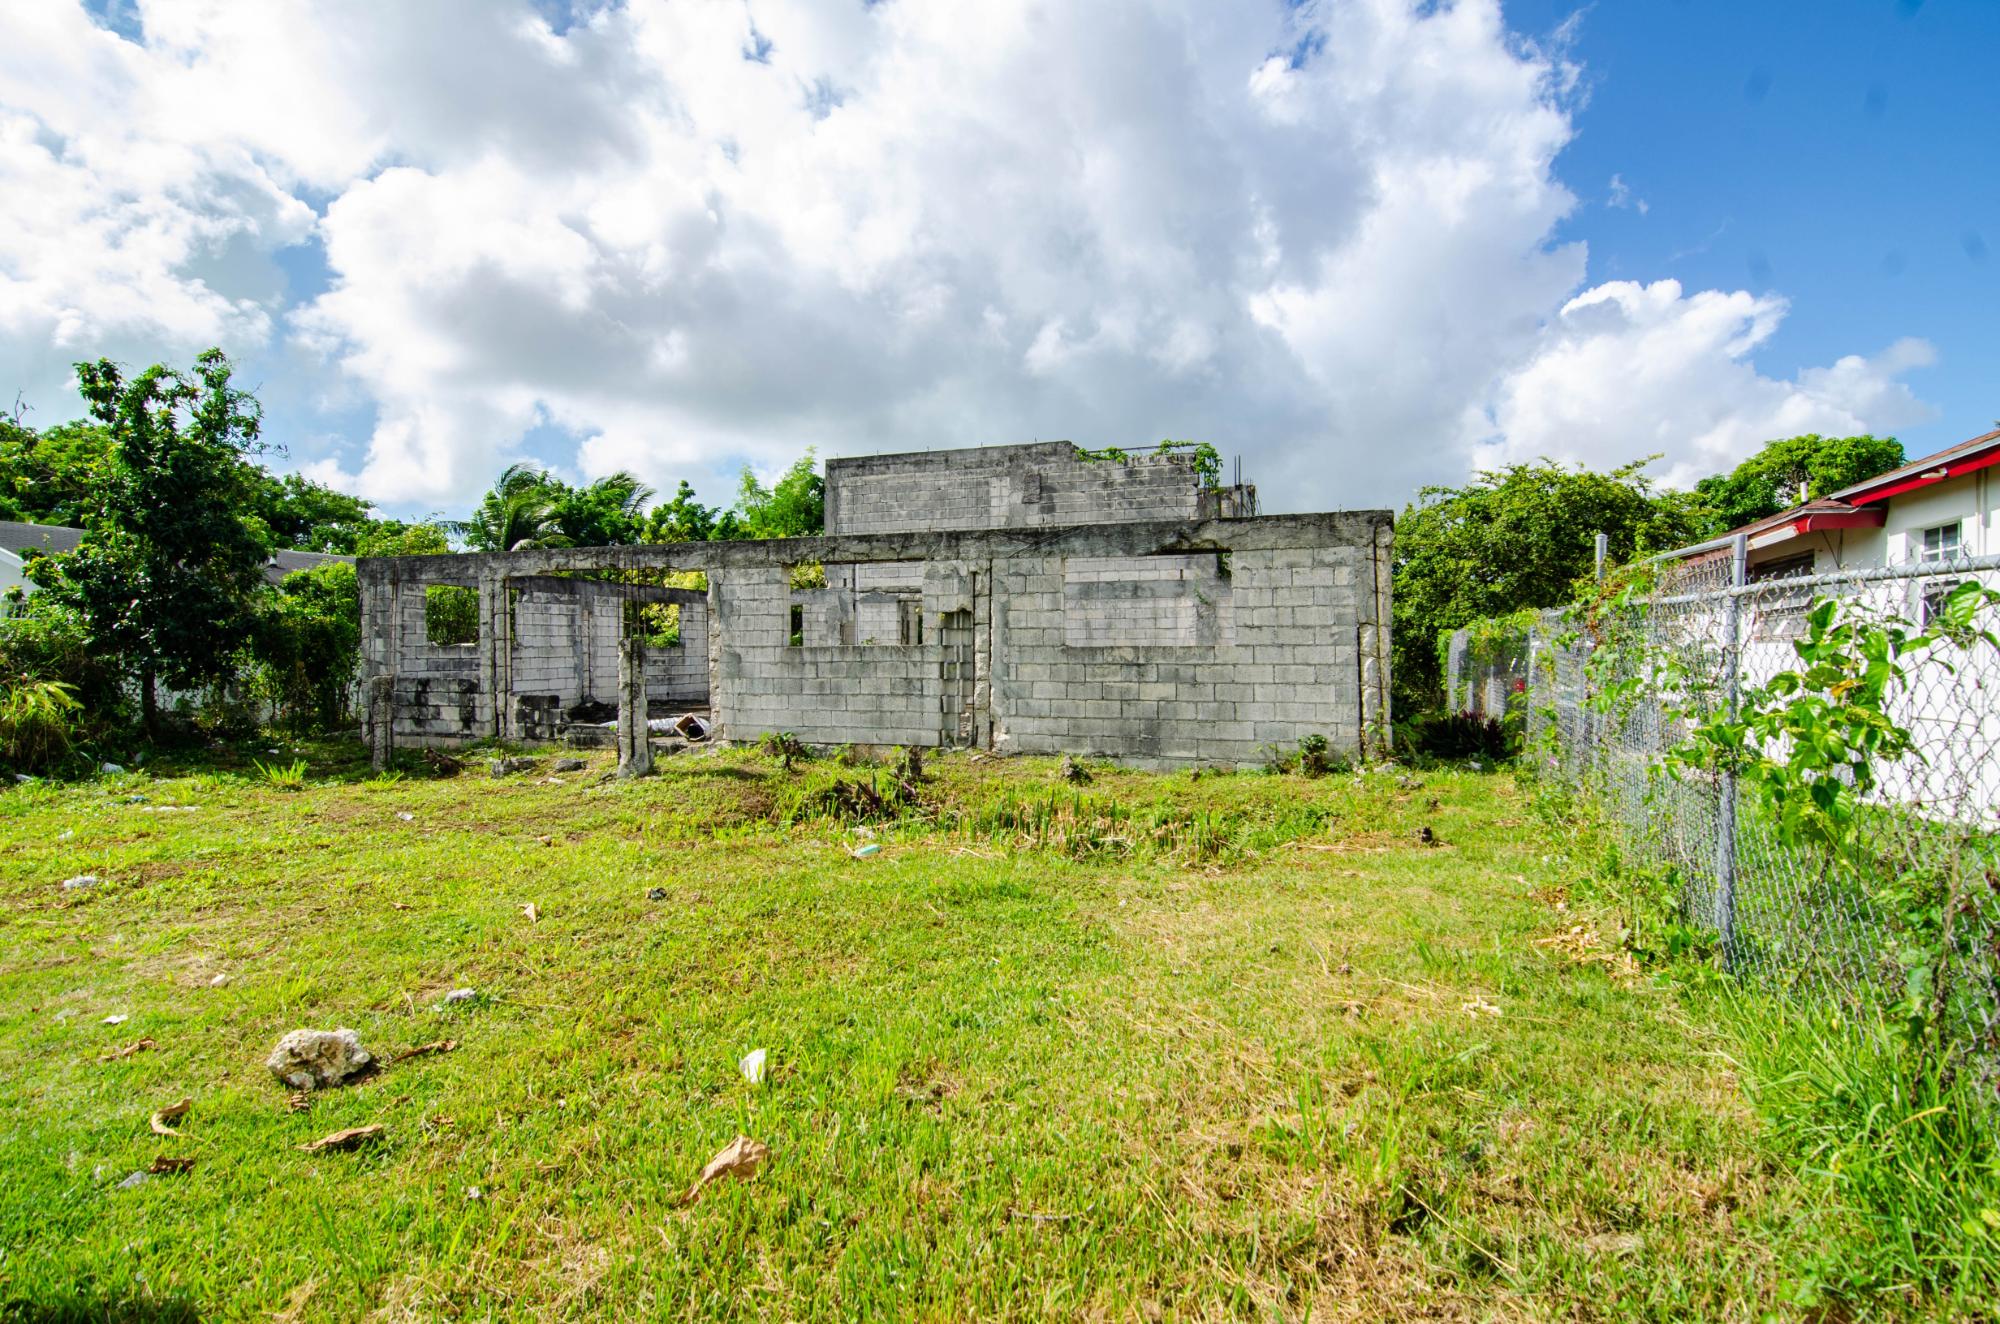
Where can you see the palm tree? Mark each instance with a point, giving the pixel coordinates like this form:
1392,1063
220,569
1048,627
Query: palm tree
518,513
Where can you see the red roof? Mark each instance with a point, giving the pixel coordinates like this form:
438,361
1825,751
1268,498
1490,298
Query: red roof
1859,506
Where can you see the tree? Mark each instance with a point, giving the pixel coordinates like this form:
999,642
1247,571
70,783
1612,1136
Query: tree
1520,537
389,537
517,513
610,512
52,477
531,507
683,519
170,564
1774,478
309,516
794,507
308,641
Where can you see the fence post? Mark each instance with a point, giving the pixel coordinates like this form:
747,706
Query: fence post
1725,810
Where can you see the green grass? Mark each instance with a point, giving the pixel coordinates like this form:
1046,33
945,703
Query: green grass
1155,1047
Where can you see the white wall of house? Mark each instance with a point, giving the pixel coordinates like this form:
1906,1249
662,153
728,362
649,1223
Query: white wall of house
13,574
1967,503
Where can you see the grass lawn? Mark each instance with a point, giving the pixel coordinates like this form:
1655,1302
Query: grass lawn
1159,1047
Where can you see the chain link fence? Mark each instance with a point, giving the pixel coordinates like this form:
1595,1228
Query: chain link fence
1785,916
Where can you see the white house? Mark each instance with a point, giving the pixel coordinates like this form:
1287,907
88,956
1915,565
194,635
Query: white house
19,541
1938,508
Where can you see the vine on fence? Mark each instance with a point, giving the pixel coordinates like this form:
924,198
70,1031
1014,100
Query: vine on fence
1810,745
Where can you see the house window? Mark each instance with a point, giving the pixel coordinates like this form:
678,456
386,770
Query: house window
1940,543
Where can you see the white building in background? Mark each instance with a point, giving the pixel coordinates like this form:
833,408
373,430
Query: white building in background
1938,508
19,542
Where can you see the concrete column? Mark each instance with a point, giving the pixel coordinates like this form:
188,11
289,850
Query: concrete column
379,719
635,751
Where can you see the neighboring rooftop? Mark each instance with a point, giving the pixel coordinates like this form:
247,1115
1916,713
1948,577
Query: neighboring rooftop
57,539
1863,505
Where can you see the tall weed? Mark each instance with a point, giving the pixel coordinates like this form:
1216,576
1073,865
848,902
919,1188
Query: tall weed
1901,1148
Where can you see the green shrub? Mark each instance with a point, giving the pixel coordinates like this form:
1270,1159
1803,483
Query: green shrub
38,724
307,647
1458,736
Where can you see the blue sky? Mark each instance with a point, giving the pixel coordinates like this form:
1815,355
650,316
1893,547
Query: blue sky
1842,153
1364,244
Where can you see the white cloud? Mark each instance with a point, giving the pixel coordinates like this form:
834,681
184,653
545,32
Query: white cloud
1618,194
1629,370
1319,235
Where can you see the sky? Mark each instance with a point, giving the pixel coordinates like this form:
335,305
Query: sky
1364,244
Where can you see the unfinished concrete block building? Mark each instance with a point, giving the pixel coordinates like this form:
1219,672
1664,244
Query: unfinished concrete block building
1030,599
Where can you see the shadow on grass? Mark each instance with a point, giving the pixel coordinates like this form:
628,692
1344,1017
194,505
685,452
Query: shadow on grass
82,1305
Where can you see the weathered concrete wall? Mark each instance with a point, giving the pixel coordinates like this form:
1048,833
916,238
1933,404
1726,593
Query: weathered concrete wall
1005,487
1170,640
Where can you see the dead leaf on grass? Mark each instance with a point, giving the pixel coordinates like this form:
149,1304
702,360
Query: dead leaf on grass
136,1046
401,905
534,915
171,1113
300,1102
164,1164
295,1304
352,1138
741,1157
421,1050
1480,1007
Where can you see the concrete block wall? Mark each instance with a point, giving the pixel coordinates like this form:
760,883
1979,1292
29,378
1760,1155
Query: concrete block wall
1143,601
826,694
437,690
1173,641
1001,487
1283,662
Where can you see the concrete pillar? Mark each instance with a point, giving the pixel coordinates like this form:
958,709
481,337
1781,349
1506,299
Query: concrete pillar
635,751
379,718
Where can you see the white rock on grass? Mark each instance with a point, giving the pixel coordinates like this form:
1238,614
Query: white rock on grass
317,1059
80,882
461,995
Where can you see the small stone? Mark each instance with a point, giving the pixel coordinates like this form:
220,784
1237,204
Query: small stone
461,995
220,981
111,769
567,765
80,882
657,894
136,1179
315,1059
508,766
407,817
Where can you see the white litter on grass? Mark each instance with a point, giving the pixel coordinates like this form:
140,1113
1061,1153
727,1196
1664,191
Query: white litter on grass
65,834
461,995
220,981
407,818
116,1019
80,882
752,1066
863,852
